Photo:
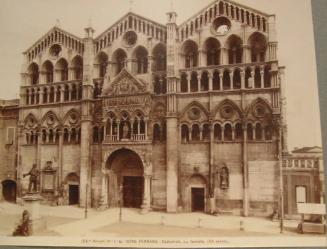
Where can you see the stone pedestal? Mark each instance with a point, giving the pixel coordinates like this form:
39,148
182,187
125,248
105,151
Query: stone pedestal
32,203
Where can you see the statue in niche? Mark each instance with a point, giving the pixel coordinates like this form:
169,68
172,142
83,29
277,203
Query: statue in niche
125,130
34,177
224,178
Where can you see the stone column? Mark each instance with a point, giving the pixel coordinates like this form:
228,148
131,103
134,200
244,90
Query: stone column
71,73
104,192
189,82
221,87
199,82
224,56
245,173
210,80
60,158
146,194
172,165
231,76
242,79
212,200
262,78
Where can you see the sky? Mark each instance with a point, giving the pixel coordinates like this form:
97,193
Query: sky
23,22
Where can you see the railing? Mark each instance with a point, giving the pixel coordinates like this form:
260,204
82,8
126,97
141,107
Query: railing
133,138
57,92
301,163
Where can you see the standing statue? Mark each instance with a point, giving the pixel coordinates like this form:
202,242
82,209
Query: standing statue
34,177
23,228
125,131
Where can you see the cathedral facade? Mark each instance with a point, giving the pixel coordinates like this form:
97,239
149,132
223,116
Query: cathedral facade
156,116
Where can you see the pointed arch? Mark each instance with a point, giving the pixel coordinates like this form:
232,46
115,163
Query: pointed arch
231,103
195,104
261,101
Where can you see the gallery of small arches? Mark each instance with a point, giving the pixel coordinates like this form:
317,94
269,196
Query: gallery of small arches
62,70
52,130
228,123
141,58
217,51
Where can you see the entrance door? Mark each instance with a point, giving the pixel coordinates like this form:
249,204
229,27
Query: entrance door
197,199
301,194
132,191
9,190
73,194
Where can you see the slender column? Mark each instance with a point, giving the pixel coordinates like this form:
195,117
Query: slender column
47,137
221,80
62,94
224,57
262,78
70,93
71,73
190,134
231,76
201,133
245,173
189,82
251,82
199,82
146,129
222,133
48,95
104,192
118,130
246,54
242,79
41,96
210,80
60,152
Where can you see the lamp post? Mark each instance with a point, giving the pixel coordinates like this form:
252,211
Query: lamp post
120,202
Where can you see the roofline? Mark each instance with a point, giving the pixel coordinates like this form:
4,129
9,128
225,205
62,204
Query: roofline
52,29
123,17
230,1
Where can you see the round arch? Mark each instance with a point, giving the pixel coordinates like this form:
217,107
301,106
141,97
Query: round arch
126,178
9,188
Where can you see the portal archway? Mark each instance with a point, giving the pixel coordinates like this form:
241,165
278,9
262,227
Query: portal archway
9,188
126,179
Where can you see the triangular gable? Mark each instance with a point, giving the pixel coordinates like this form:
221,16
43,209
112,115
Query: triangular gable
55,35
123,84
229,2
123,19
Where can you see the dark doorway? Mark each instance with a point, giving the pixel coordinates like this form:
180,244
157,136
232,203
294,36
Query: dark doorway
197,199
132,191
73,194
9,190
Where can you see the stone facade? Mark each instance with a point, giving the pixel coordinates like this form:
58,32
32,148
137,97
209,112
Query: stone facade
170,117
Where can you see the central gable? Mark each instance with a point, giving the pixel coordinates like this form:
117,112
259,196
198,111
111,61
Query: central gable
124,84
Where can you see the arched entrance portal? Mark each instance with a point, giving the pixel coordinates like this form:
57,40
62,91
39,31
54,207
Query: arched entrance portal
9,190
126,181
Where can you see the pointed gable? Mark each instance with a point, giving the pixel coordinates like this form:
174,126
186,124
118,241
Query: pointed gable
55,36
124,84
130,22
226,9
